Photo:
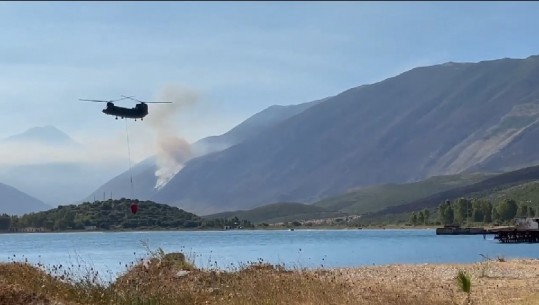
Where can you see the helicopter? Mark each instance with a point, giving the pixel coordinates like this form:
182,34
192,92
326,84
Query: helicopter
138,112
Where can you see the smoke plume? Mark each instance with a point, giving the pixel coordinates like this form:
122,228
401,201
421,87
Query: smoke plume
172,150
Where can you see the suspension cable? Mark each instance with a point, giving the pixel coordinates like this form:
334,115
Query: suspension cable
129,156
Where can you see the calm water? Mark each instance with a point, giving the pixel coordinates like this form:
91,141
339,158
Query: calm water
110,252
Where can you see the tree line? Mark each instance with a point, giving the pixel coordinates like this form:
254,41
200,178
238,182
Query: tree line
463,211
115,214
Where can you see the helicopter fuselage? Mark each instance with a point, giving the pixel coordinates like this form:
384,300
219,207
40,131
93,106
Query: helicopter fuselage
138,112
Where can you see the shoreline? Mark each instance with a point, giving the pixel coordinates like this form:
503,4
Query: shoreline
493,281
235,230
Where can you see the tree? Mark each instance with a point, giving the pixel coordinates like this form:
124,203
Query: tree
507,209
462,210
442,208
522,210
15,221
477,211
426,213
487,211
445,213
413,219
421,218
495,215
5,222
450,215
531,212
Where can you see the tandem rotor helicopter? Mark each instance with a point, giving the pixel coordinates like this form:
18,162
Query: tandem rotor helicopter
138,112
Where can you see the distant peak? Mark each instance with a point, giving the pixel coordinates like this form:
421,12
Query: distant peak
47,134
449,63
46,128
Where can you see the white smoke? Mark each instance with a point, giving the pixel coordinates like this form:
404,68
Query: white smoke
172,150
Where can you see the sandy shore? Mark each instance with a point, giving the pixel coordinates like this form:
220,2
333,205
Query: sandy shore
493,281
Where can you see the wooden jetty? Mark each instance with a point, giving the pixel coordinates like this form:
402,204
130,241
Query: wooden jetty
458,230
517,236
526,230
502,234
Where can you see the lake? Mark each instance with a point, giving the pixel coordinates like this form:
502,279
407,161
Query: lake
110,252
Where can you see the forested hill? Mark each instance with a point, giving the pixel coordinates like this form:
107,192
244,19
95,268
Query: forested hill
111,214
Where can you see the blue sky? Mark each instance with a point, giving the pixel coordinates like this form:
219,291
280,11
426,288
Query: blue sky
238,57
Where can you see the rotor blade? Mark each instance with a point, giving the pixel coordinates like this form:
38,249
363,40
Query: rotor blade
121,99
134,99
125,97
96,101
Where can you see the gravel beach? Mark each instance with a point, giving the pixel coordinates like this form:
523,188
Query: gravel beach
493,281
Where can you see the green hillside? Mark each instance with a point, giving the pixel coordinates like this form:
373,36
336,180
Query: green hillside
110,214
483,188
519,187
279,212
376,198
523,193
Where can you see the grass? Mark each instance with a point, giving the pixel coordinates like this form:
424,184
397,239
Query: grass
158,282
171,278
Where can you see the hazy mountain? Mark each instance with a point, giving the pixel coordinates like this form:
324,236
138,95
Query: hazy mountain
144,180
46,163
55,183
48,135
435,120
144,172
15,202
250,127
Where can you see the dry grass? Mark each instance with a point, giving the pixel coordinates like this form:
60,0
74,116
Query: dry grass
167,279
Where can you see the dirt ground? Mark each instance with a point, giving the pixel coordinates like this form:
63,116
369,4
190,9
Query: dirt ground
14,295
493,281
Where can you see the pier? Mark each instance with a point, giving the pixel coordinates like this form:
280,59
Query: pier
525,230
517,236
457,230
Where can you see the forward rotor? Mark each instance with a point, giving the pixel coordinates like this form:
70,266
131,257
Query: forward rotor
103,101
134,99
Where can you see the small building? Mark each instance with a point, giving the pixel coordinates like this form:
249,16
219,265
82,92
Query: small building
528,223
29,230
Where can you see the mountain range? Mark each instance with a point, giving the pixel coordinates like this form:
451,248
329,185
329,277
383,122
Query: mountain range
44,163
436,120
48,135
446,119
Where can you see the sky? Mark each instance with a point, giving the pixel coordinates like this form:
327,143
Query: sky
236,58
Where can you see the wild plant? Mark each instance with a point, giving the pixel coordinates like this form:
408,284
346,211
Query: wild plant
464,282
